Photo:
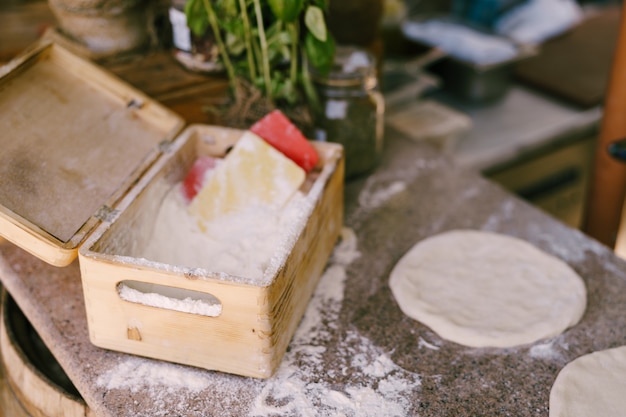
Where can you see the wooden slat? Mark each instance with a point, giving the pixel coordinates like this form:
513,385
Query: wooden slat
608,180
25,390
160,76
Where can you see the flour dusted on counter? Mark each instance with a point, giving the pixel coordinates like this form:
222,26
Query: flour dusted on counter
549,350
134,373
379,388
376,386
378,197
243,243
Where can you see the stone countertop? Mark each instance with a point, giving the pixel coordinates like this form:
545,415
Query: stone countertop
355,353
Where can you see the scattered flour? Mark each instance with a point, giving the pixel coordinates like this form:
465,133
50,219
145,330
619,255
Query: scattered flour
381,388
493,221
346,251
134,374
186,305
571,247
542,351
423,343
548,350
319,352
379,189
377,198
381,366
242,244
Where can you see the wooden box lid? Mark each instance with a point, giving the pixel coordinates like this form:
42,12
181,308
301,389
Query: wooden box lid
74,140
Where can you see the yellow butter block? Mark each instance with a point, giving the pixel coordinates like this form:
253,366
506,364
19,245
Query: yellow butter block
253,173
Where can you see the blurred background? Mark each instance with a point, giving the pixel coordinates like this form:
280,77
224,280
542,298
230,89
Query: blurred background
511,88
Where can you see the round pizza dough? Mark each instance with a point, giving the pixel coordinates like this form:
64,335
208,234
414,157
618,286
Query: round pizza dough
592,385
483,289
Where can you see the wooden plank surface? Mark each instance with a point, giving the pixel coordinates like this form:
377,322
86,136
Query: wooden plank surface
193,96
33,378
156,72
22,22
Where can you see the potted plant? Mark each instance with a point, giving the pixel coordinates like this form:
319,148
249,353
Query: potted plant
267,48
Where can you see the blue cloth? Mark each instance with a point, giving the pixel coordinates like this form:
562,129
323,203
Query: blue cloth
482,13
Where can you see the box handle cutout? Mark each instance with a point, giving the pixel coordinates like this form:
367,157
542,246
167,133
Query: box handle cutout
170,298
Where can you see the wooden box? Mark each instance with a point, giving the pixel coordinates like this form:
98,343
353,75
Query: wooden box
74,139
256,320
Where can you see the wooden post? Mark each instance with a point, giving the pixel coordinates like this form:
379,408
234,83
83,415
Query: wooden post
608,182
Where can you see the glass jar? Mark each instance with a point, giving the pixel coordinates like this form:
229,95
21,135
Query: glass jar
196,53
351,109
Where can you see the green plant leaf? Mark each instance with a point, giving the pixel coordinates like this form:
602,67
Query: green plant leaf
314,21
320,54
234,44
284,89
278,42
197,19
286,10
229,8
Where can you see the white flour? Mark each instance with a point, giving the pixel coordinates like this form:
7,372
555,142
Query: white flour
550,350
136,373
242,244
378,197
560,241
302,385
185,305
382,389
542,351
423,343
